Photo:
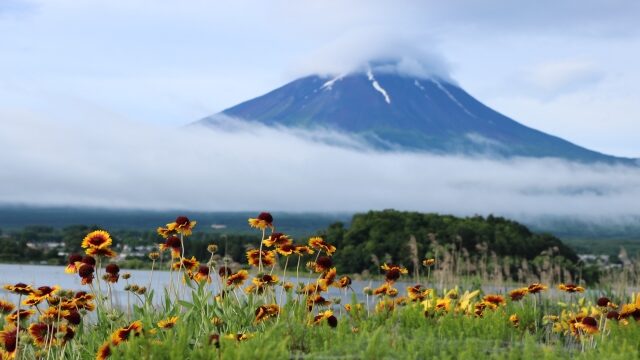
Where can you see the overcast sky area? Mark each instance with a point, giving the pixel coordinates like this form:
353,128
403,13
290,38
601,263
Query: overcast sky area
94,94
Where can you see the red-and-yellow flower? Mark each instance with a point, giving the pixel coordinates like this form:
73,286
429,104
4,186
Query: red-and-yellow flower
263,221
202,274
329,276
327,316
6,307
104,351
40,294
571,288
165,232
23,314
168,323
518,294
319,244
19,288
188,264
494,299
238,278
322,264
97,239
9,339
98,243
265,312
417,293
277,239
536,288
301,250
85,271
385,289
343,282
174,244
393,272
73,263
40,333
182,225
286,249
428,262
112,273
254,257
124,333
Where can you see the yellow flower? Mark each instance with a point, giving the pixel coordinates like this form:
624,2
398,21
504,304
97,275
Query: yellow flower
515,321
239,336
168,323
428,262
443,304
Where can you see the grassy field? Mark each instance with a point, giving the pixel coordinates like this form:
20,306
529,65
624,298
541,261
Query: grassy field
262,314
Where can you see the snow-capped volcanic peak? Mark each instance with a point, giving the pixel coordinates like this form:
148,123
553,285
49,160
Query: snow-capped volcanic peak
429,113
377,86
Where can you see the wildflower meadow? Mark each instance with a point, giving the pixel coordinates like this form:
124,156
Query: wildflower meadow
278,306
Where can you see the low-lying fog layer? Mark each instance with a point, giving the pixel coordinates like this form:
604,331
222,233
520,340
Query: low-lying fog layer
240,167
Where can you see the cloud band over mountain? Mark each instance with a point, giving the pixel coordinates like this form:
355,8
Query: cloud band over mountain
247,167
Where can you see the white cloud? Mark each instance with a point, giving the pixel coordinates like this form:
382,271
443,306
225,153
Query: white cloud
119,164
397,53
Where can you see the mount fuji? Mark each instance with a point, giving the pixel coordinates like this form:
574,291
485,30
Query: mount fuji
398,112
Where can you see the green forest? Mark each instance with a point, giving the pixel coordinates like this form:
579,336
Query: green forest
369,240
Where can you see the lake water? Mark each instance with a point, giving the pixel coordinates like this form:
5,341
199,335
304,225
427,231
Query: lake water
40,275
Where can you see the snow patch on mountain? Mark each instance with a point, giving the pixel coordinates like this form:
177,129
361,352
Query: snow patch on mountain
329,84
377,86
417,83
453,98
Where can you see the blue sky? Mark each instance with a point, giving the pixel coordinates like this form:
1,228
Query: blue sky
565,67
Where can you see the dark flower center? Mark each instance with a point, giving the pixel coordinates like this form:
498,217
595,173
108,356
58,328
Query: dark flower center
182,220
266,217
